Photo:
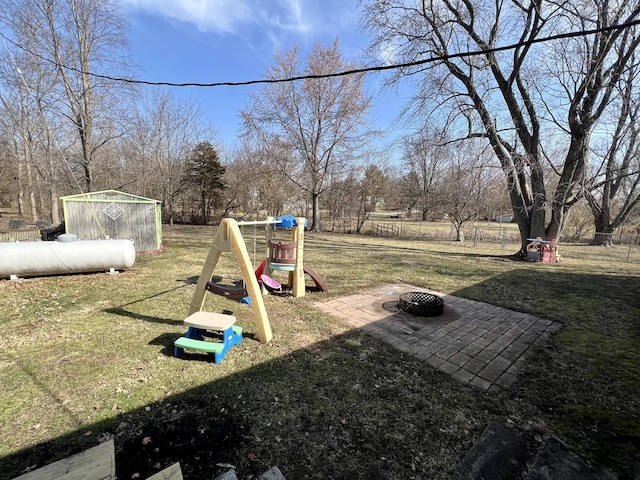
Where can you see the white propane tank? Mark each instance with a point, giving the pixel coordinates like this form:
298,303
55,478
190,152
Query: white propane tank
31,259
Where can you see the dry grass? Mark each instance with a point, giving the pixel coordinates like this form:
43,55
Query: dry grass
86,357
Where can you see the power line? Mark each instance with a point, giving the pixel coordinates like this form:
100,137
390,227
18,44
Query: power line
355,71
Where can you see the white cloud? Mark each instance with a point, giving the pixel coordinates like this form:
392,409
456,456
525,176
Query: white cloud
265,26
388,53
287,15
229,16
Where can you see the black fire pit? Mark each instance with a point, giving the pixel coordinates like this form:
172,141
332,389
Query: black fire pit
421,304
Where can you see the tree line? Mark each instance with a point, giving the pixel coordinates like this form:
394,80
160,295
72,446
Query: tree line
537,128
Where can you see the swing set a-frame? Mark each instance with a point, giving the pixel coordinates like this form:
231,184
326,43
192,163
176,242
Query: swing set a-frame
228,239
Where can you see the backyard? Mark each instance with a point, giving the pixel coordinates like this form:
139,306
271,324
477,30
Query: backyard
85,358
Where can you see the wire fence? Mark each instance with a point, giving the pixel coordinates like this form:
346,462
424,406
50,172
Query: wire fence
631,243
20,235
504,235
444,232
627,245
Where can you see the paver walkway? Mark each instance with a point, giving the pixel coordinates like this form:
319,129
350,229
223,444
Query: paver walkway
474,342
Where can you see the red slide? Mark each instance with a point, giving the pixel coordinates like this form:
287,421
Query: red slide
260,269
320,285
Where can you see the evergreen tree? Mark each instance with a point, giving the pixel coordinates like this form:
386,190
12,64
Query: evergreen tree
203,178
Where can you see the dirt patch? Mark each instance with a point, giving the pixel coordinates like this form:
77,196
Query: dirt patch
201,437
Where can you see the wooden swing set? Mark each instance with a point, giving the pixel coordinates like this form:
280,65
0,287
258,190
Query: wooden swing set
281,256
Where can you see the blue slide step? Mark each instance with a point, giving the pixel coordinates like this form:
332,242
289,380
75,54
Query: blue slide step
194,340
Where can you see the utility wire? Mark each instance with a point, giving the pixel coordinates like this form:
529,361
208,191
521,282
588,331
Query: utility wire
378,68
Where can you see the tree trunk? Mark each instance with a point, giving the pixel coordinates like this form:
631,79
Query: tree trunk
604,231
459,233
571,180
529,216
55,209
315,212
203,207
20,188
53,180
88,177
33,211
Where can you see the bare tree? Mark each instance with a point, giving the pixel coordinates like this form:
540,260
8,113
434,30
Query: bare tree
613,191
321,119
369,190
425,156
27,93
240,197
161,138
354,195
495,203
504,96
408,192
464,187
79,37
18,117
338,200
580,222
274,189
7,169
256,186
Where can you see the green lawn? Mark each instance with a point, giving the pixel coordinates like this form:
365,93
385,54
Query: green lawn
89,357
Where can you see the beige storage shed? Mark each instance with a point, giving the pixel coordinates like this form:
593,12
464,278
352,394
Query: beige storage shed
111,214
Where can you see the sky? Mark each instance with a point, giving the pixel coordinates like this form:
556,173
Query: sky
206,41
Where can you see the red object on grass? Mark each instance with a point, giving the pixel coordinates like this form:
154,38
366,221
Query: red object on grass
260,268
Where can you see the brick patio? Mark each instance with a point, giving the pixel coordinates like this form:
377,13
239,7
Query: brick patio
473,342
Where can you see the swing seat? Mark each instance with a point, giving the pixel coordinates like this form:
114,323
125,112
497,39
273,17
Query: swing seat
235,293
282,256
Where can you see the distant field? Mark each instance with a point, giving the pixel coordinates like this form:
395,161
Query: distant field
480,231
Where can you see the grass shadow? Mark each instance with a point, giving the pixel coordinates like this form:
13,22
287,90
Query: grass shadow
166,342
272,412
350,406
138,316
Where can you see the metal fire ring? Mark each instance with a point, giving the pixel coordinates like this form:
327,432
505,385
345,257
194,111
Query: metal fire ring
421,304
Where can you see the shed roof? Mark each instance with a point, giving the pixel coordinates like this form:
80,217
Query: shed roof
129,197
